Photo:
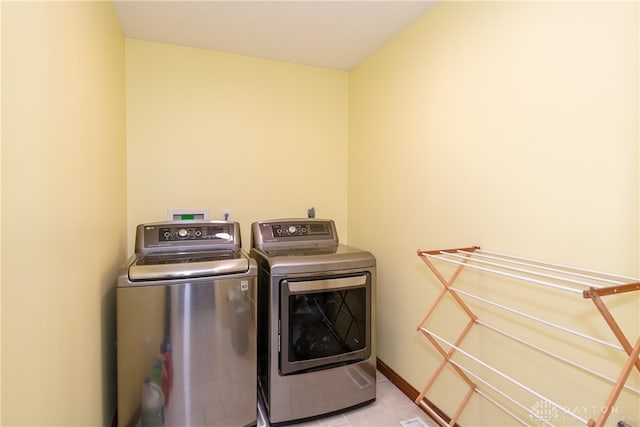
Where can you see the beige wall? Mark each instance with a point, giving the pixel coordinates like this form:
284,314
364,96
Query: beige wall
1,3
63,210
510,125
218,131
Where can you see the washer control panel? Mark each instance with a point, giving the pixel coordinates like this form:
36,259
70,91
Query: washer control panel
209,232
187,235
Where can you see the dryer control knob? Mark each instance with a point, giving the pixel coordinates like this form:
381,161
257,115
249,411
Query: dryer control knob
292,229
182,233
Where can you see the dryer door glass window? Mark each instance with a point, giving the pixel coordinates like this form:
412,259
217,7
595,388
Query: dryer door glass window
324,326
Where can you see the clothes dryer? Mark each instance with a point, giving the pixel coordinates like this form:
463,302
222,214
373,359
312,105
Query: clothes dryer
316,320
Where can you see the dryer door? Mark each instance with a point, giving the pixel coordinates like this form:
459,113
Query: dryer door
324,322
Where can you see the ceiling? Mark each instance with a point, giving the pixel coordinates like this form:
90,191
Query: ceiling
335,34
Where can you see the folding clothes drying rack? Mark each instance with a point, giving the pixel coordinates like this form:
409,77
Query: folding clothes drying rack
590,284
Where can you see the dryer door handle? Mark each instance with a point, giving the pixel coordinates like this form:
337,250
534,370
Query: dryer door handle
325,284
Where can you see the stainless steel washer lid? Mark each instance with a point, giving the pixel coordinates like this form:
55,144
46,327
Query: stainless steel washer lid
157,266
180,249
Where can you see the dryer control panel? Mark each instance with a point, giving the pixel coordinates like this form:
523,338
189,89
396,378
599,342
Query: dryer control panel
301,229
294,232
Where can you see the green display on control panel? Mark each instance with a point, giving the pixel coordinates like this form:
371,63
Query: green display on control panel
187,217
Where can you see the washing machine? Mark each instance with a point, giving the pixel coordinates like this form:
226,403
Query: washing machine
186,327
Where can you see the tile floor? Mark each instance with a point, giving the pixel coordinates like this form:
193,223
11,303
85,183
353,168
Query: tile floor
389,410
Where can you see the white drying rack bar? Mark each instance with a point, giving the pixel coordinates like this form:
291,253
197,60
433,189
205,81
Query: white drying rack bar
556,356
612,279
591,284
502,375
537,319
535,276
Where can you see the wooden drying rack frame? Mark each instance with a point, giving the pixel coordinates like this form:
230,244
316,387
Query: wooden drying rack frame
539,272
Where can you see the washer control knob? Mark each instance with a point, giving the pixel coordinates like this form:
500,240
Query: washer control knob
292,229
182,233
